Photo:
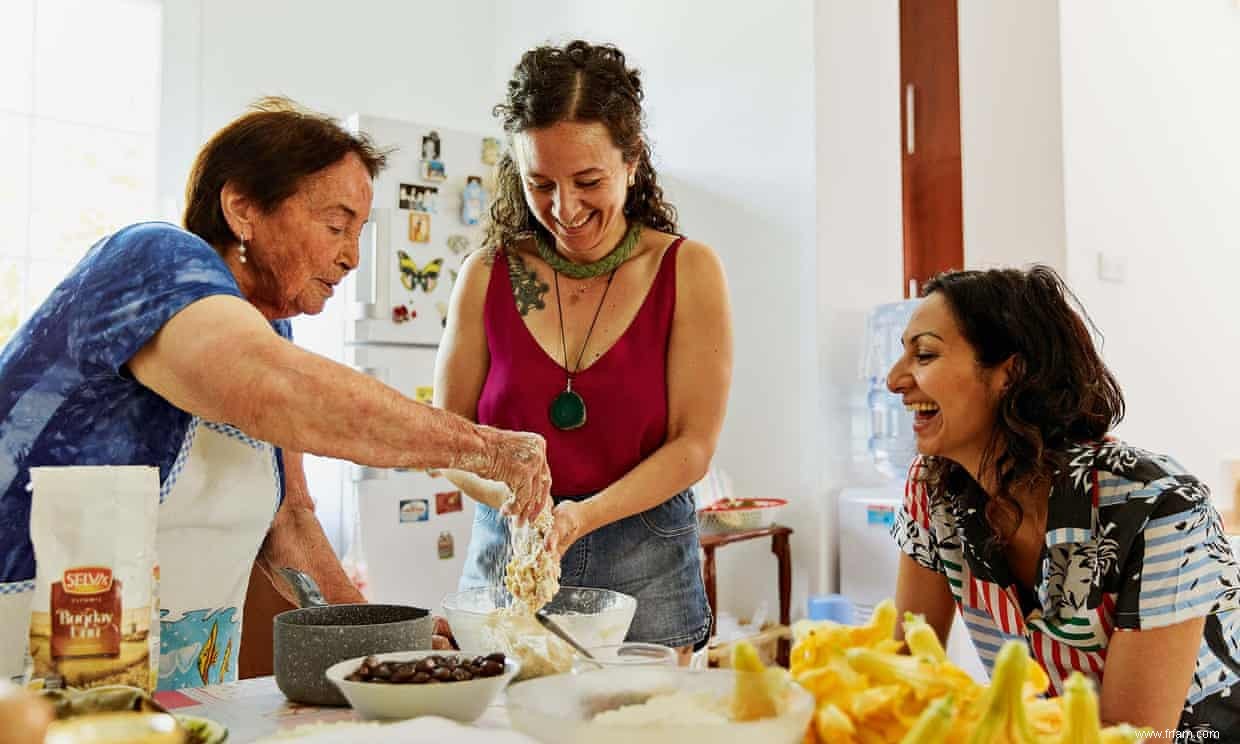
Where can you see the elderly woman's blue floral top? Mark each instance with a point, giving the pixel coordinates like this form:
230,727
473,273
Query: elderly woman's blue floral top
66,397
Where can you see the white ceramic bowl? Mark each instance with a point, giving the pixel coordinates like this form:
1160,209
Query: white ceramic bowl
593,617
460,701
560,709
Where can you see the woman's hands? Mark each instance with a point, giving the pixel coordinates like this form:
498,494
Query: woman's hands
568,526
518,460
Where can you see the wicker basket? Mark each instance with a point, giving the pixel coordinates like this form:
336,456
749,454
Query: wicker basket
738,515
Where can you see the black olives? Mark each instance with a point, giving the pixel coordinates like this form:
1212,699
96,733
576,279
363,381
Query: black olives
431,669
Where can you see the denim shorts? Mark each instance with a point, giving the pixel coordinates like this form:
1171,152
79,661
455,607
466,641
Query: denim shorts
653,555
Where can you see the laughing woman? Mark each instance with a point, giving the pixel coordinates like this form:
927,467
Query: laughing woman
1022,513
588,320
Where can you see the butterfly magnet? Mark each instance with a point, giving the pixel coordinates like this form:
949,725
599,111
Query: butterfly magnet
414,278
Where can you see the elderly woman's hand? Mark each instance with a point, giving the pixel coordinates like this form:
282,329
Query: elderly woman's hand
518,460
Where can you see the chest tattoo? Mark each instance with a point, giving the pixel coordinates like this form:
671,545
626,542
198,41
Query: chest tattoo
527,288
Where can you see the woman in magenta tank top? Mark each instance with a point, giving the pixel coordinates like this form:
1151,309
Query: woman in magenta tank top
588,320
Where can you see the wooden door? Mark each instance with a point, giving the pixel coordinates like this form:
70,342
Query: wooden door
930,139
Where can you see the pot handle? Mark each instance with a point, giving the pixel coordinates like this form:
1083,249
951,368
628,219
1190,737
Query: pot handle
304,587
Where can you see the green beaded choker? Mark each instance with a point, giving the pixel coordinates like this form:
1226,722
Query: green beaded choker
607,263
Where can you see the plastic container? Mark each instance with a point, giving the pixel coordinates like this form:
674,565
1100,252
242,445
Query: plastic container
834,607
891,443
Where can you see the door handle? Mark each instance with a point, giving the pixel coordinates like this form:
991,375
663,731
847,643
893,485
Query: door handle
910,119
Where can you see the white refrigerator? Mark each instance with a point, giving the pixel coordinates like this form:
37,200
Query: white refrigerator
410,528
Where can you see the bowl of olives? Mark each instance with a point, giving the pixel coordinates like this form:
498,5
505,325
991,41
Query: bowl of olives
405,684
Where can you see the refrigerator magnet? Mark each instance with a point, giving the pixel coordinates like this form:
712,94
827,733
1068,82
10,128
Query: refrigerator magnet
412,277
433,170
473,201
424,198
432,146
490,150
400,314
404,196
442,307
419,227
447,502
447,546
458,244
424,393
414,510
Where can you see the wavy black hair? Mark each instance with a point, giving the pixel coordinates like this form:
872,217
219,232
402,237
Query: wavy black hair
1060,392
581,82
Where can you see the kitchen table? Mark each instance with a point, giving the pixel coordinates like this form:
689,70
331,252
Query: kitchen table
254,708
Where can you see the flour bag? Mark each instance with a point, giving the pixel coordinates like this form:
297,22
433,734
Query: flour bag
94,616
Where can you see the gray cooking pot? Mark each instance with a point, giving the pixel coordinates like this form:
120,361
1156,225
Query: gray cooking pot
309,640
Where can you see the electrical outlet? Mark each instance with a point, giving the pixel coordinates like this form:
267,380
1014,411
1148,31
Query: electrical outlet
1112,267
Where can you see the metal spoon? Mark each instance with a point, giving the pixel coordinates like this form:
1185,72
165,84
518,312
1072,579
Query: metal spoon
545,620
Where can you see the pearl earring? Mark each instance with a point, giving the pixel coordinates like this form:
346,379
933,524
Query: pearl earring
241,250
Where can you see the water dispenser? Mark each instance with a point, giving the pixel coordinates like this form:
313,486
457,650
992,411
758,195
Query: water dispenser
890,441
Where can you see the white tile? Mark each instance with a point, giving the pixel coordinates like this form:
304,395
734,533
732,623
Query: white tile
98,62
86,183
16,55
14,183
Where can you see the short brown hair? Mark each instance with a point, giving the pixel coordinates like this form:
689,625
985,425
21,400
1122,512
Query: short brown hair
266,153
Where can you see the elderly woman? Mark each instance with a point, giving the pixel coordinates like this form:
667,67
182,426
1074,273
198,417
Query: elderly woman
588,320
170,347
1023,514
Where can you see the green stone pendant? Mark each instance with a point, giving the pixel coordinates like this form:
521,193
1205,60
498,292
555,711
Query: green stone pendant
568,411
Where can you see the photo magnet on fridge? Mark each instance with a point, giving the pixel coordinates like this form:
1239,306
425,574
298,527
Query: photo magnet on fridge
448,502
432,146
433,170
414,510
490,150
404,198
424,198
473,201
447,546
419,227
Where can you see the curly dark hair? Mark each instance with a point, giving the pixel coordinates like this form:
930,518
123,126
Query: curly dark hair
1060,392
266,153
577,82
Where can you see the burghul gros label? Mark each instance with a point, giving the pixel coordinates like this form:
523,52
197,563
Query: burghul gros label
93,530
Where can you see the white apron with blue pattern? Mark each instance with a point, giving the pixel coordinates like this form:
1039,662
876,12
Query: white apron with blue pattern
216,506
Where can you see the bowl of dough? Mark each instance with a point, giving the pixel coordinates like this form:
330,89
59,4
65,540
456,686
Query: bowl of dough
657,705
485,617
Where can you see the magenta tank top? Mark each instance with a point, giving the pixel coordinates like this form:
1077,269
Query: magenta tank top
625,390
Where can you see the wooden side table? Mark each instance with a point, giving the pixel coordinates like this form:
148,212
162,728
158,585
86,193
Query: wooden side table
783,555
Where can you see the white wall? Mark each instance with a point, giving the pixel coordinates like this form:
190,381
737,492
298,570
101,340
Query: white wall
730,100
1152,177
1010,127
418,61
860,238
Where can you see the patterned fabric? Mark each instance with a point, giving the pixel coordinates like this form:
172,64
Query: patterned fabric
1132,542
66,397
17,587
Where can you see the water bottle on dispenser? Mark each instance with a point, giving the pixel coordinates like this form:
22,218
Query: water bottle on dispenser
890,442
